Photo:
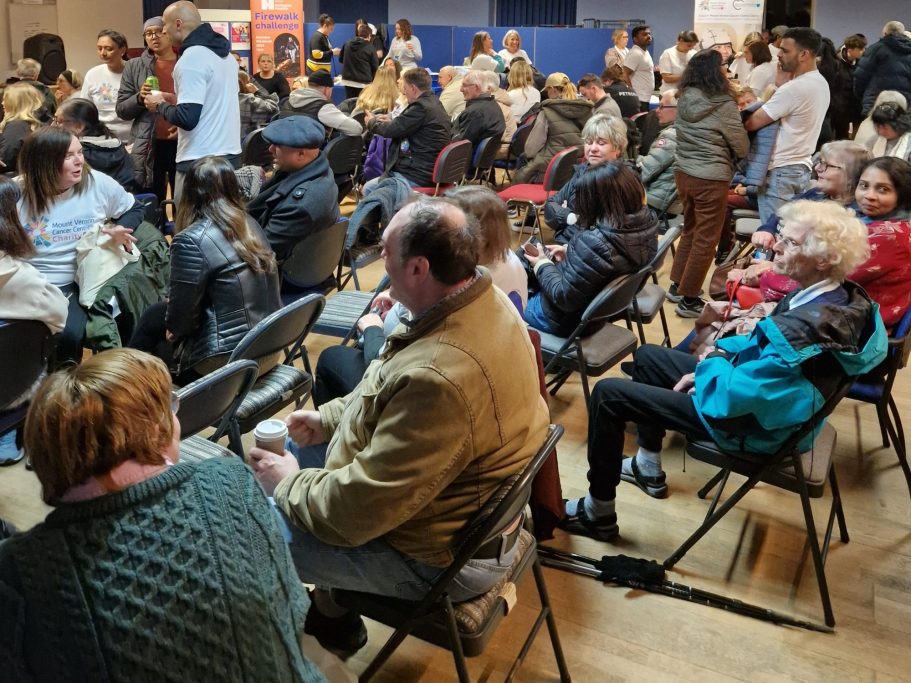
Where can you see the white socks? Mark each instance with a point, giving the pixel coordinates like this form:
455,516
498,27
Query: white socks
649,462
594,508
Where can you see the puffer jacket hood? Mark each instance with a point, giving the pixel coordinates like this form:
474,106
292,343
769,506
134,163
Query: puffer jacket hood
900,44
204,36
109,156
578,111
697,106
300,98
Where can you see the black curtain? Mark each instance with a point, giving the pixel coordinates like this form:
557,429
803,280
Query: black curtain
535,12
376,12
153,8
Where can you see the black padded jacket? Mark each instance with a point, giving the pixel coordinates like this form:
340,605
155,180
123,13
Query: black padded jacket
215,298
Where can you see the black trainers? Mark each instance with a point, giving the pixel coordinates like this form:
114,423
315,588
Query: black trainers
674,296
345,634
690,307
656,486
626,368
601,529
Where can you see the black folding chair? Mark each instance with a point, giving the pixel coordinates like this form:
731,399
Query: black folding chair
595,345
254,151
282,332
343,310
212,401
466,628
515,156
25,347
876,388
314,263
802,473
344,154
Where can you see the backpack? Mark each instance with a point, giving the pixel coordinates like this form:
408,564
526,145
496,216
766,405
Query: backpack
47,50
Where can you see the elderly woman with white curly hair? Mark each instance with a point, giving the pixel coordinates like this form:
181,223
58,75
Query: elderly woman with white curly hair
748,393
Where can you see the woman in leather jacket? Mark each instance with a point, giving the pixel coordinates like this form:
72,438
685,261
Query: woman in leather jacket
224,278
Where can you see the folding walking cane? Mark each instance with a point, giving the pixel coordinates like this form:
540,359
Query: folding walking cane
648,575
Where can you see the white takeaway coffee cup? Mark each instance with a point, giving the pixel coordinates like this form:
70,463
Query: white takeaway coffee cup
270,435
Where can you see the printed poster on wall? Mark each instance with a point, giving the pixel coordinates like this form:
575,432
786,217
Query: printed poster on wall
727,22
277,29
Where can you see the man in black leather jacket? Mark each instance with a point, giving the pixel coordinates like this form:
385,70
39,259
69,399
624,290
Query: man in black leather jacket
418,133
301,198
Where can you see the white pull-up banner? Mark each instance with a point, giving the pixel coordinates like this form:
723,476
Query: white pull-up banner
726,22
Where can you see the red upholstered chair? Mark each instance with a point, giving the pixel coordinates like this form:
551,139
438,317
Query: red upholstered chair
534,195
450,167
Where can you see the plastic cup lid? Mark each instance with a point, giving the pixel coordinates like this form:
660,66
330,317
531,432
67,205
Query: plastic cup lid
270,429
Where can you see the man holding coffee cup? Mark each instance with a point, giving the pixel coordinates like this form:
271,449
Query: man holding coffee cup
436,425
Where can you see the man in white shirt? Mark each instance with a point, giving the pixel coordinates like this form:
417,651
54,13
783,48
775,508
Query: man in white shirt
673,60
207,114
799,105
639,68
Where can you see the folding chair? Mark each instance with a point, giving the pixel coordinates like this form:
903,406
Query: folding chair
802,473
466,628
313,264
212,401
25,347
343,310
344,154
515,156
254,150
482,160
649,302
876,388
450,167
355,257
532,195
595,345
282,332
746,222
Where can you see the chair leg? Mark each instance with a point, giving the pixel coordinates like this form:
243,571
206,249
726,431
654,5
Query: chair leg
353,273
711,521
455,641
551,622
883,417
664,328
558,381
384,654
813,540
234,442
839,508
717,497
898,441
583,371
710,484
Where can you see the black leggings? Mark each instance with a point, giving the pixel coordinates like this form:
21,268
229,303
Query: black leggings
149,336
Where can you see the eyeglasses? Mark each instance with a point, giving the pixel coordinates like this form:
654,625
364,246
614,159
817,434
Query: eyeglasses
825,166
667,106
151,34
789,243
175,402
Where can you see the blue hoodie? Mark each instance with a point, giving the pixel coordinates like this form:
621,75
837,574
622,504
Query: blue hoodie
766,385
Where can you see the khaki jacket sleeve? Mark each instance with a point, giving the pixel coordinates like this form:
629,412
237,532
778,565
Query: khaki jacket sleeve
404,468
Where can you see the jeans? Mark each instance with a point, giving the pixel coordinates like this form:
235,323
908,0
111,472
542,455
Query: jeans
376,567
781,186
534,314
371,184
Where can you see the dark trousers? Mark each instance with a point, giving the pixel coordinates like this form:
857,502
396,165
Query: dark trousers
704,211
338,371
71,339
649,401
149,336
164,167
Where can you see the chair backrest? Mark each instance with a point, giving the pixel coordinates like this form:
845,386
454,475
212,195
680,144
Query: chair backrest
284,330
664,245
519,138
315,258
213,399
560,168
611,302
344,153
898,340
485,154
346,106
25,346
255,150
502,508
452,162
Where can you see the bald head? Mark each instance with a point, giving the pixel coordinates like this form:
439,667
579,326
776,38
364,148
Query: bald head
447,73
180,19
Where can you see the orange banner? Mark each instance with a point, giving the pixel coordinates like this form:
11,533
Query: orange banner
278,30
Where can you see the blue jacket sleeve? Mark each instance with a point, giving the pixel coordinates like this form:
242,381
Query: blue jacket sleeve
184,116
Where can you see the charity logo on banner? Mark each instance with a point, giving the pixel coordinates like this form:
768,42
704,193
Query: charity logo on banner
277,28
724,24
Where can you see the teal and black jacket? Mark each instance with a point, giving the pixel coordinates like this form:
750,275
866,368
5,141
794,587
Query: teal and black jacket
760,388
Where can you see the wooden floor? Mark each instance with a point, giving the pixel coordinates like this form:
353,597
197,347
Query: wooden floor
611,633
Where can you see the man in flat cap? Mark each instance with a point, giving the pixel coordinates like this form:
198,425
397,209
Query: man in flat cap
315,101
301,197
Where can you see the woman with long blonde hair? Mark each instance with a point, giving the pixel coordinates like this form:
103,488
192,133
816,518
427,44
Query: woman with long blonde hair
381,94
224,278
521,88
482,44
22,112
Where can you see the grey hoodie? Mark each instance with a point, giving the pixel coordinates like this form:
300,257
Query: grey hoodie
308,99
711,138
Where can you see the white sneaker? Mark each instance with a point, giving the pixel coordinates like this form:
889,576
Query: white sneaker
519,226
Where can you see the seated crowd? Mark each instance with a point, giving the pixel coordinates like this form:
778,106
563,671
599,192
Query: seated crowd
417,425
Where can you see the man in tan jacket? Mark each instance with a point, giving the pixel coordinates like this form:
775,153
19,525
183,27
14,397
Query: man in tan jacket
449,410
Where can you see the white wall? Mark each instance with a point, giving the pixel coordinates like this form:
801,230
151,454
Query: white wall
837,20
79,21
